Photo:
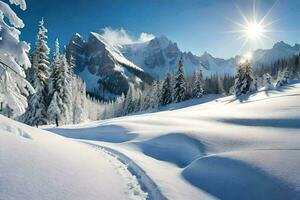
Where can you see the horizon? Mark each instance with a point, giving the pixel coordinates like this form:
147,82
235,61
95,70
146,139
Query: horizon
196,25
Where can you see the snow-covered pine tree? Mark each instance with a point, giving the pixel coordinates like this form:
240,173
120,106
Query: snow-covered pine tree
145,98
61,84
119,105
129,101
239,77
283,78
13,60
180,85
197,88
244,82
36,113
167,90
54,110
79,111
267,81
66,89
137,100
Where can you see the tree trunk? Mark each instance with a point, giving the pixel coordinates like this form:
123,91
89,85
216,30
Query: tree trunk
56,122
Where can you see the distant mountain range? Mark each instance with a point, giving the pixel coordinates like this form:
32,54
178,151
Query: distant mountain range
108,70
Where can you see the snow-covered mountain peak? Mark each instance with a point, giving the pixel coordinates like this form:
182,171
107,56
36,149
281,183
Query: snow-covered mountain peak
206,55
77,40
279,50
296,47
103,67
281,45
163,41
78,35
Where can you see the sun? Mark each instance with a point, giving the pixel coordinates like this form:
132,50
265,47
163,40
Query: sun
254,30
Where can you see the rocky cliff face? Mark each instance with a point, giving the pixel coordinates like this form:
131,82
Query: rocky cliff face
105,70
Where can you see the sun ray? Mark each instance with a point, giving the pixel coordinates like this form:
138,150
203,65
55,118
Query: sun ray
254,30
268,13
243,45
242,14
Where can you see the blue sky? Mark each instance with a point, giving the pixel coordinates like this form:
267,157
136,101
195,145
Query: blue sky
196,25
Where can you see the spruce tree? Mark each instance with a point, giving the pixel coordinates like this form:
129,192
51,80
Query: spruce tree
244,81
197,88
129,102
14,89
166,95
267,81
180,85
54,110
36,113
283,78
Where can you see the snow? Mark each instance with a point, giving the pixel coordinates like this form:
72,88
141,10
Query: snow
116,54
228,148
13,59
36,164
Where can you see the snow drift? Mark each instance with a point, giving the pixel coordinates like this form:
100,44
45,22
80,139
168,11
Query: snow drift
36,164
246,148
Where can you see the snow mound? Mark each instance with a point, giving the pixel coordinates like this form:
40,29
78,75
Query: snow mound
179,149
219,174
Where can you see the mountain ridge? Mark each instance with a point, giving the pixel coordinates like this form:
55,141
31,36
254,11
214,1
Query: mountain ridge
109,70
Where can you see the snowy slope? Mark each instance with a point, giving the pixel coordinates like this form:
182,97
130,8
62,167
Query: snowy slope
36,164
224,149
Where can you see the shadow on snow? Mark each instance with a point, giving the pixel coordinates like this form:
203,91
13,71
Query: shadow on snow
106,133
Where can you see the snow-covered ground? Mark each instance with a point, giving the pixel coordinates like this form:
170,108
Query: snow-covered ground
36,164
224,149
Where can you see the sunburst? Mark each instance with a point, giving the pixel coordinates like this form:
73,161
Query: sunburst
253,31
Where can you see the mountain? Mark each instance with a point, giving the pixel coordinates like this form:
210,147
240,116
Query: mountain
105,70
161,54
109,69
280,50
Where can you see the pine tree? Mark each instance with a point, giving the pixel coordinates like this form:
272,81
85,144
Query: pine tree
36,113
180,85
61,85
119,106
166,95
66,90
54,111
283,78
14,60
268,82
129,102
244,82
145,98
197,88
79,113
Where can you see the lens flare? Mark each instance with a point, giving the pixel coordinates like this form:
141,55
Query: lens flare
253,30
